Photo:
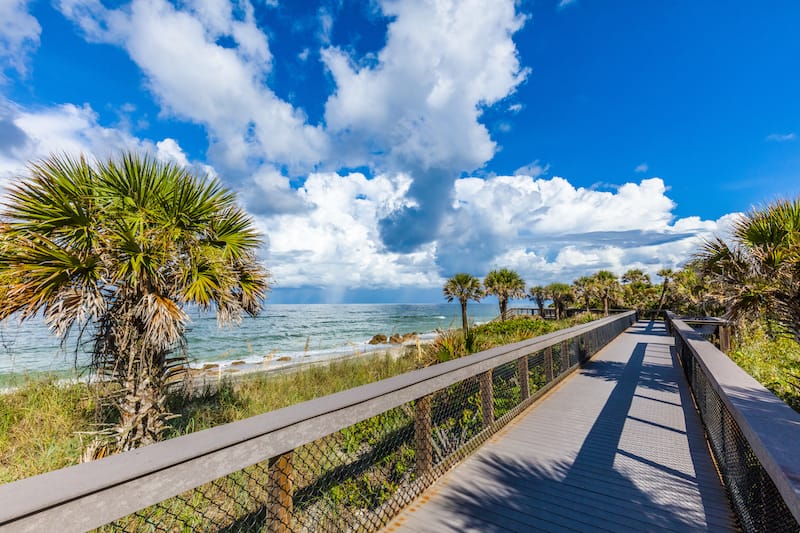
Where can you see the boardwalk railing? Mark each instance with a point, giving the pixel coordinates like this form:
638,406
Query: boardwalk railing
755,437
348,461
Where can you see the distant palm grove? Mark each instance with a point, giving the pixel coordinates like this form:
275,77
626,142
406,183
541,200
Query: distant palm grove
755,276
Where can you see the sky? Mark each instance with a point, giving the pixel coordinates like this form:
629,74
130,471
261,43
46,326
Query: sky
382,146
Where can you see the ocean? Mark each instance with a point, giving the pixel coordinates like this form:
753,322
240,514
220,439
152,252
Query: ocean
281,335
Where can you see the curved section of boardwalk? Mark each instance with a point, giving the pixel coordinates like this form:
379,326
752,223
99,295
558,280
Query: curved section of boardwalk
617,447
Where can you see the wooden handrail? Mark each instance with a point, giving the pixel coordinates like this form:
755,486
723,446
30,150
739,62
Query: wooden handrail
770,426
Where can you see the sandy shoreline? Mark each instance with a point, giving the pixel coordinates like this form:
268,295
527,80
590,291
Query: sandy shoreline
212,375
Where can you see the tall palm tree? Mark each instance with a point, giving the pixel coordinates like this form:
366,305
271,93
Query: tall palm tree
505,284
561,294
123,245
760,273
667,275
538,294
607,288
463,287
583,290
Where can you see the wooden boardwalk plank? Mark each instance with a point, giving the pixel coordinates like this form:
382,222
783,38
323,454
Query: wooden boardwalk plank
617,447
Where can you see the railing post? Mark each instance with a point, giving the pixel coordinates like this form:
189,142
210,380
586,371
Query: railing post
522,376
724,338
548,363
280,489
581,345
565,355
487,398
422,436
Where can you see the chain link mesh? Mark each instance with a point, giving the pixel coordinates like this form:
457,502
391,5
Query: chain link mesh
755,498
360,477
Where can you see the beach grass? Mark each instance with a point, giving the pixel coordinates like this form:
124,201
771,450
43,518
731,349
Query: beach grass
42,426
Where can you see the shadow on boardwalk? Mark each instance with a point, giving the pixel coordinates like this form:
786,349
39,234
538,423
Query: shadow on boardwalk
609,484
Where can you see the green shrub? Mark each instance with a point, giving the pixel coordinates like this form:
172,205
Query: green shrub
773,362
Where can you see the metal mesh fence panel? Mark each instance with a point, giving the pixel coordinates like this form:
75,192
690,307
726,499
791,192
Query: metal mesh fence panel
236,502
755,498
573,350
538,376
558,366
505,389
353,478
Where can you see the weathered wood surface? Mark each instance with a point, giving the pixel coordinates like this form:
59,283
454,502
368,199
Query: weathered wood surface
617,447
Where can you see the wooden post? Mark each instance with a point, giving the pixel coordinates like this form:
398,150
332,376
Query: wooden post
280,487
548,363
487,398
522,376
580,345
565,355
724,338
422,436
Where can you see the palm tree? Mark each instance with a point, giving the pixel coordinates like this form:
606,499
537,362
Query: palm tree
505,284
538,294
759,275
561,294
463,287
582,288
122,246
607,287
666,276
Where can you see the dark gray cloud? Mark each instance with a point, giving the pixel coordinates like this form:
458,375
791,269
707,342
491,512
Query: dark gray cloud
408,228
12,138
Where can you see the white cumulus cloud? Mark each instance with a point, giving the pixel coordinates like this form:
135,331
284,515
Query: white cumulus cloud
19,35
30,135
416,106
547,229
550,230
335,240
422,99
194,77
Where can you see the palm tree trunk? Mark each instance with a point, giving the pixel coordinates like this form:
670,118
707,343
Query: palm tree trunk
661,298
464,323
142,411
605,306
503,305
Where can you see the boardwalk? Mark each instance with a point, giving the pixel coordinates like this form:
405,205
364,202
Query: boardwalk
616,447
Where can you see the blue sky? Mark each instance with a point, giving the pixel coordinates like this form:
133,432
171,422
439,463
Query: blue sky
382,146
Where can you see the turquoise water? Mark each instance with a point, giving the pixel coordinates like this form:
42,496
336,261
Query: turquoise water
298,332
